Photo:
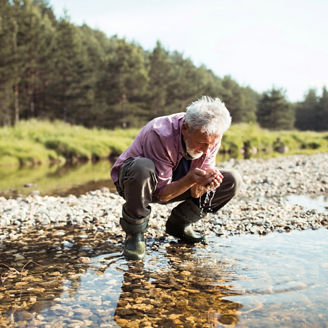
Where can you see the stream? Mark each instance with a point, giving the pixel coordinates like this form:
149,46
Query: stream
75,278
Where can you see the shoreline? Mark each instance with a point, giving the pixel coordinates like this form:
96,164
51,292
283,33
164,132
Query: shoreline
259,208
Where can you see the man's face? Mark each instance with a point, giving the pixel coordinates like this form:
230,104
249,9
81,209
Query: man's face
198,143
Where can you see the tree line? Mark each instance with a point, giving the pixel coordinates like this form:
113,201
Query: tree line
51,69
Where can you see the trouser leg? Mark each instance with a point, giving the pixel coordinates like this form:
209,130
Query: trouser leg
136,184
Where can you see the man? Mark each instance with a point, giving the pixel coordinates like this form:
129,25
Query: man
173,159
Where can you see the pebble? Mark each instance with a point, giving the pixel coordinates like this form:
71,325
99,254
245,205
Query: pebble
259,208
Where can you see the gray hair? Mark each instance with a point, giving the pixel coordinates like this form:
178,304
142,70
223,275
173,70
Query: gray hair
208,115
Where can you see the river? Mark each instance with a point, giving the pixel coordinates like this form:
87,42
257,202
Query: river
72,278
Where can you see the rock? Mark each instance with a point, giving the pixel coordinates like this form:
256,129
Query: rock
19,257
26,316
84,259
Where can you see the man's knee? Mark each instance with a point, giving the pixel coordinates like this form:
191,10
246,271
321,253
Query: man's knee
143,168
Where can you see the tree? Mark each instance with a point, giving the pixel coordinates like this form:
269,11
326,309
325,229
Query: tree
66,85
185,84
306,113
25,56
53,69
323,111
160,73
11,56
241,102
124,84
6,55
274,112
250,103
37,32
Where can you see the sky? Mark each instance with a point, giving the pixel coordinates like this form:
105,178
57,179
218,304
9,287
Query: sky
259,43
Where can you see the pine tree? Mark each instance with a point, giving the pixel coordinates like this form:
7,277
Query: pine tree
124,84
306,113
51,68
323,111
159,78
36,34
184,86
6,62
69,71
11,57
274,112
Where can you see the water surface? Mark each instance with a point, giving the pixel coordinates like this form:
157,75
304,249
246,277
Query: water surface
59,180
319,203
55,180
69,277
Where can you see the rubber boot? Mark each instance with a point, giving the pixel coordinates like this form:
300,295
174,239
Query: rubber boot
180,220
134,245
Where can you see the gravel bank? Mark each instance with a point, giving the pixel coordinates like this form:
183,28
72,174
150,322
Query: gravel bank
260,207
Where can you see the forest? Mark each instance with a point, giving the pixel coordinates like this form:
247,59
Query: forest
52,69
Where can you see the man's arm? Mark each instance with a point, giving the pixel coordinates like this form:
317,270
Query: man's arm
194,177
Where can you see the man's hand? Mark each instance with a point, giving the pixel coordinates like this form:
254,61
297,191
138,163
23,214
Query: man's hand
205,181
209,179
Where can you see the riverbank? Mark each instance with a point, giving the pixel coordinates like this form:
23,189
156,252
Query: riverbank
260,206
34,143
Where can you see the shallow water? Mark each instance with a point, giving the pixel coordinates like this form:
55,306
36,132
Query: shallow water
59,180
67,277
55,180
319,203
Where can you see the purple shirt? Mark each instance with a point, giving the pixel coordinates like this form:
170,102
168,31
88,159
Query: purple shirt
160,141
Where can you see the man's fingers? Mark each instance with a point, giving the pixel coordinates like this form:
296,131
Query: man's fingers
214,184
219,179
219,174
200,172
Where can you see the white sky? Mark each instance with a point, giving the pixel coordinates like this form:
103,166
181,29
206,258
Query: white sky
259,43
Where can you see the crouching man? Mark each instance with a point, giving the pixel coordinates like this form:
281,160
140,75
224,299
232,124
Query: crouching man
173,159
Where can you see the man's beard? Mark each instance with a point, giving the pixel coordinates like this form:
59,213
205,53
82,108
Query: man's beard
192,154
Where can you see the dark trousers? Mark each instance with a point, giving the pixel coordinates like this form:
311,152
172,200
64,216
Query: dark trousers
137,183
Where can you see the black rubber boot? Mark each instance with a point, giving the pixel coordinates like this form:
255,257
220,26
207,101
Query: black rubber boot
180,220
134,245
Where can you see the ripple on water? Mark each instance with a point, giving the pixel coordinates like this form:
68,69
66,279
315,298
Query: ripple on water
283,278
276,280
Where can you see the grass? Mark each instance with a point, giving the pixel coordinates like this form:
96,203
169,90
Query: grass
250,138
33,142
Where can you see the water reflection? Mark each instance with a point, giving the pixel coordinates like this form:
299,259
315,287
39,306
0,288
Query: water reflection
74,277
79,275
60,180
55,180
42,273
175,289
